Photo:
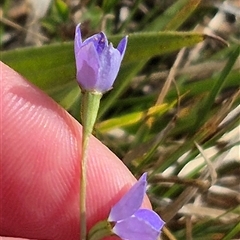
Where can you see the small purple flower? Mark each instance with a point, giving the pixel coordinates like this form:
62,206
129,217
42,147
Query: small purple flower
132,223
97,61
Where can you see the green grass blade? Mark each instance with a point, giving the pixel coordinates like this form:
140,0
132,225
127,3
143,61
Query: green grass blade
174,16
206,107
234,232
146,45
132,118
47,67
54,65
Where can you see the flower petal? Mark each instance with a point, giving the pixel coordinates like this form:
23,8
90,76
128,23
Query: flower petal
110,61
122,46
97,61
77,39
87,63
151,217
134,228
130,202
99,40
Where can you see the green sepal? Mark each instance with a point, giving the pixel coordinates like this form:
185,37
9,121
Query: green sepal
100,230
89,111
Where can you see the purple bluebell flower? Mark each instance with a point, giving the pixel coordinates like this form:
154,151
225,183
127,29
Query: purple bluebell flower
132,223
97,61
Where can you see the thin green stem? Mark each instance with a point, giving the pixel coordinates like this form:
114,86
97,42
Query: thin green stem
90,106
83,186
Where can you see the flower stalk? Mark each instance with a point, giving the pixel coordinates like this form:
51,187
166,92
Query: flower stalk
89,109
97,65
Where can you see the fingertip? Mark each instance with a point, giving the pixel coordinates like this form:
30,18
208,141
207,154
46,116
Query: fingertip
41,169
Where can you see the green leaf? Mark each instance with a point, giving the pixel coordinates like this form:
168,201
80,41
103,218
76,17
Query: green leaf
233,233
62,9
47,67
108,6
132,118
66,95
54,65
206,106
145,45
141,47
174,16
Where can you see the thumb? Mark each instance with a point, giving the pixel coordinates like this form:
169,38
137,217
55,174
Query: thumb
40,161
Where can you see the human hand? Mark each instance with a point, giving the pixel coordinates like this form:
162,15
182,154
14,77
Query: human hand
39,196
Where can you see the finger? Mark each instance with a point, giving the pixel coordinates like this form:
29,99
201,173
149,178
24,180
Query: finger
40,166
10,238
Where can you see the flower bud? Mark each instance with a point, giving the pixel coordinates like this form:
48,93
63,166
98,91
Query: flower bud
97,61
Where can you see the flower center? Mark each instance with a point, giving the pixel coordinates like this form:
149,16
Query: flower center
100,42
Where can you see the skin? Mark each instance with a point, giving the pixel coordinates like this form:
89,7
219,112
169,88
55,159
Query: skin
39,170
